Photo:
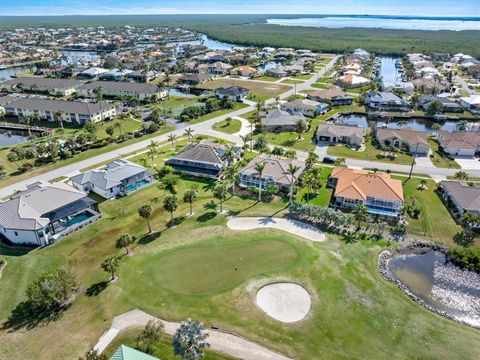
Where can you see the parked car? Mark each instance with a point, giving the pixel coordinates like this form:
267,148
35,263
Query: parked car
328,160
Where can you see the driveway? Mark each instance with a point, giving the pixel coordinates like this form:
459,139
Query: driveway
321,149
423,161
468,163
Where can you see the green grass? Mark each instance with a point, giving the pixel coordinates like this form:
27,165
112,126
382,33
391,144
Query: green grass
214,114
370,153
291,81
289,139
321,85
350,298
438,160
358,90
162,349
174,102
435,222
267,78
228,128
302,76
324,194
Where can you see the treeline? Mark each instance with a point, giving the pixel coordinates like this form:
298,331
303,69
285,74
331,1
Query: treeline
466,258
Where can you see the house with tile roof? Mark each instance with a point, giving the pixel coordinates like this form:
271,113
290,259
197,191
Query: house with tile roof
274,173
305,107
382,195
45,212
205,159
414,141
281,121
245,71
459,143
460,197
344,134
334,95
119,178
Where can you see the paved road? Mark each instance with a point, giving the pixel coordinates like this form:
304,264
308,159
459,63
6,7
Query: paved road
464,85
229,344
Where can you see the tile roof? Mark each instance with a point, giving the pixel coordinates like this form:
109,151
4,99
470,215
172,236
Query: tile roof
339,130
281,118
359,184
204,152
466,196
143,88
408,135
459,139
276,168
74,107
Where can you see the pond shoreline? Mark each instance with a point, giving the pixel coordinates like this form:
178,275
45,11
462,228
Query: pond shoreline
414,248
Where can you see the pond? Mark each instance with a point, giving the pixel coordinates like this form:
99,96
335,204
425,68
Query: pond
6,74
440,284
10,137
179,92
418,124
209,43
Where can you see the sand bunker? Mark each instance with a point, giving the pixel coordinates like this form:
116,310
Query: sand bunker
286,302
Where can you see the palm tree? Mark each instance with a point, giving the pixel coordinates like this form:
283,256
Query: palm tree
292,170
360,214
189,340
189,134
145,211
110,265
190,196
3,172
260,107
245,140
153,151
124,241
170,204
171,138
220,193
259,168
229,154
311,159
300,127
53,149
99,96
231,175
461,175
278,151
59,117
118,126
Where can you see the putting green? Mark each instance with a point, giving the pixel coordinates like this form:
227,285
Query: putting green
202,270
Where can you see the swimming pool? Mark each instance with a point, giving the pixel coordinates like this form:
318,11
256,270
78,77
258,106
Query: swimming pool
79,218
138,184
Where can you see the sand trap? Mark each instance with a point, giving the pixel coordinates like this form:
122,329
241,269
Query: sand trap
285,302
299,228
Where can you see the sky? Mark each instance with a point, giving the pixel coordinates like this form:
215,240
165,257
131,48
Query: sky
130,7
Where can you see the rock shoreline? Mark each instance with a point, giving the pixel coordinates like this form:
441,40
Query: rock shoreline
415,248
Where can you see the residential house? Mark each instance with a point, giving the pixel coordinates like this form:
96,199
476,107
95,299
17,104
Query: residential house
5,100
52,86
281,121
115,75
44,212
471,103
381,195
459,143
305,107
119,178
219,68
233,93
75,112
447,105
274,173
142,76
206,159
334,96
121,89
277,72
245,71
414,141
345,134
194,79
91,73
127,353
386,101
352,81
460,197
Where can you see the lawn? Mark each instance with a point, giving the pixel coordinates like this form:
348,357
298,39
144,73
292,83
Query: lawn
435,222
319,85
267,78
290,139
214,114
324,194
370,153
228,127
358,90
259,91
161,349
174,102
292,81
438,160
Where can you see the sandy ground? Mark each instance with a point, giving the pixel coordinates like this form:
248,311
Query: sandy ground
294,227
286,302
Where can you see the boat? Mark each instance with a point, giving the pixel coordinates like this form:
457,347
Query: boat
3,67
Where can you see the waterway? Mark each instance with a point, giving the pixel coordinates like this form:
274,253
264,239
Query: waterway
383,22
6,74
10,137
209,43
440,284
418,124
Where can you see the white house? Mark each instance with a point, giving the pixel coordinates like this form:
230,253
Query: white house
471,103
305,107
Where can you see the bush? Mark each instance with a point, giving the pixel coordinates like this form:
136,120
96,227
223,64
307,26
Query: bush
165,170
466,258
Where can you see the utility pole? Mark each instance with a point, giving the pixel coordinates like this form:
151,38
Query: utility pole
413,162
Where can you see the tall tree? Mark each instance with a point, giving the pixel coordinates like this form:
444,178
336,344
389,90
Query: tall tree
93,354
171,138
145,211
152,333
110,265
99,96
153,151
124,241
189,134
190,196
292,170
170,204
189,340
259,168
361,215
220,193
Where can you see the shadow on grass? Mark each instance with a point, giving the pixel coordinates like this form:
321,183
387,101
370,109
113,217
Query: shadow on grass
26,316
207,216
97,288
210,205
176,221
148,238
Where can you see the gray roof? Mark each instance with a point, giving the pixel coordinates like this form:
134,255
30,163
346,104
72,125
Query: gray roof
203,152
385,98
232,91
27,82
4,100
275,168
27,209
113,86
113,175
325,129
304,104
281,118
466,196
409,136
68,107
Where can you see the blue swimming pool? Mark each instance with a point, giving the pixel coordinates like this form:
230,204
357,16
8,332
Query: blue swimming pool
78,218
137,185
382,211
